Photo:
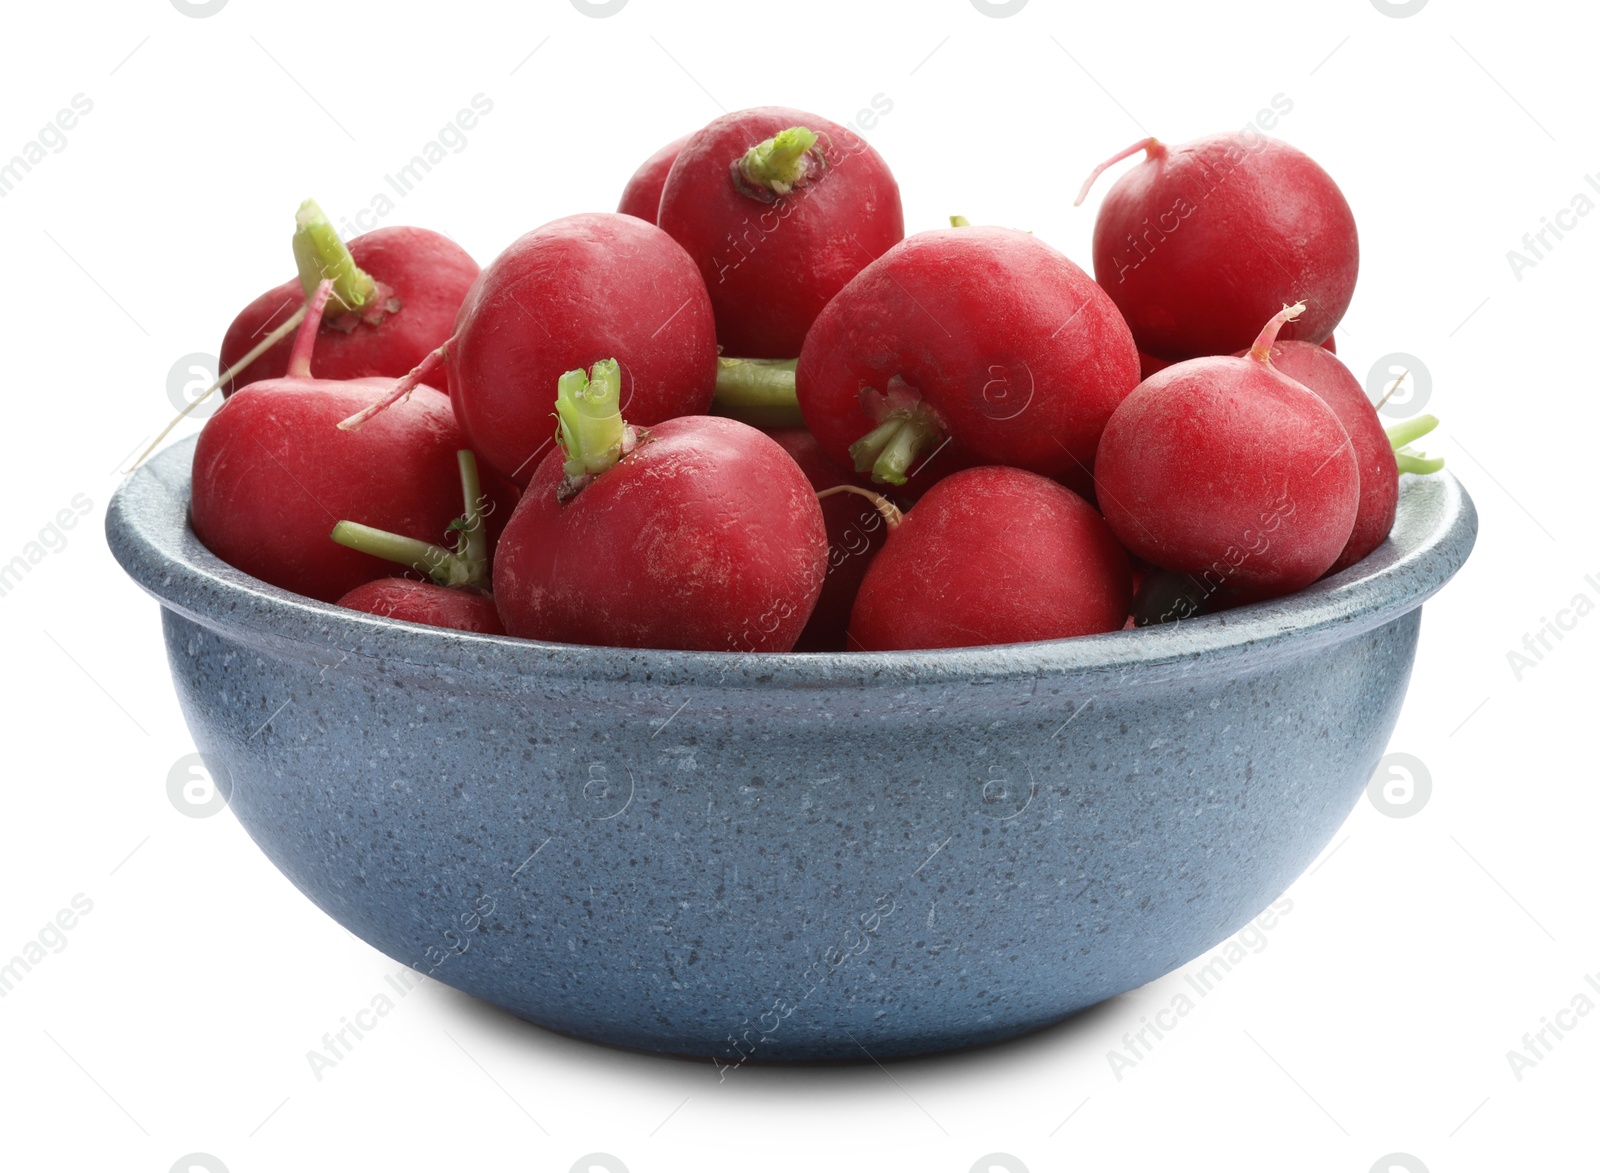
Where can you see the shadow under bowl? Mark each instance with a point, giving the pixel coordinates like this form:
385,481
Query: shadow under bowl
789,857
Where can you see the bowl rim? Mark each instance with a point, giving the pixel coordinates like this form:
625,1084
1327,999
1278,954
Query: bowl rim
148,531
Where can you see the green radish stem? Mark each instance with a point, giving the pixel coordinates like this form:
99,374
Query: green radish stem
960,222
436,562
402,388
1402,434
1406,431
474,536
758,392
465,566
779,164
885,507
1153,148
278,334
1418,463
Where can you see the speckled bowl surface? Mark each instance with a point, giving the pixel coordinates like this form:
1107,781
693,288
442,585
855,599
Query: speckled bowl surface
789,857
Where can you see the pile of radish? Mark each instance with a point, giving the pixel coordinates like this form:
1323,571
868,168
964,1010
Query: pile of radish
745,412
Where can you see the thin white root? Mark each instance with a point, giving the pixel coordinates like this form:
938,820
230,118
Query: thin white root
250,356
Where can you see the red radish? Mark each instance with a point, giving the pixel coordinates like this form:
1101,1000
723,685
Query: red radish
1225,468
578,290
427,603
396,292
856,532
961,347
1374,445
1198,242
1316,368
779,208
698,534
642,196
272,474
992,556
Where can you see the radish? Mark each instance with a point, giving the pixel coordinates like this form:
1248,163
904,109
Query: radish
426,603
577,289
1198,242
697,534
856,531
395,295
992,555
779,208
272,474
642,196
1226,468
962,347
1317,369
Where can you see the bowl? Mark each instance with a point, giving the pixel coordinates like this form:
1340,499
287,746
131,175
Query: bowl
753,858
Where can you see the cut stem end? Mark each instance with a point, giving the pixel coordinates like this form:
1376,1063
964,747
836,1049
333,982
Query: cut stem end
319,254
780,164
590,429
889,450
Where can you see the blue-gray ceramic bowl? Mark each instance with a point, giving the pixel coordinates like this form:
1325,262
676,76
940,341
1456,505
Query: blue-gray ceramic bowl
789,857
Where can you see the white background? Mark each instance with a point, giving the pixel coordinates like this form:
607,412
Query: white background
1377,1020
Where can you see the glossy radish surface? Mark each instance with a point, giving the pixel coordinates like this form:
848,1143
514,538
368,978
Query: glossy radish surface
779,208
1317,368
576,291
703,535
1200,243
642,195
992,556
856,532
963,347
1227,469
419,280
